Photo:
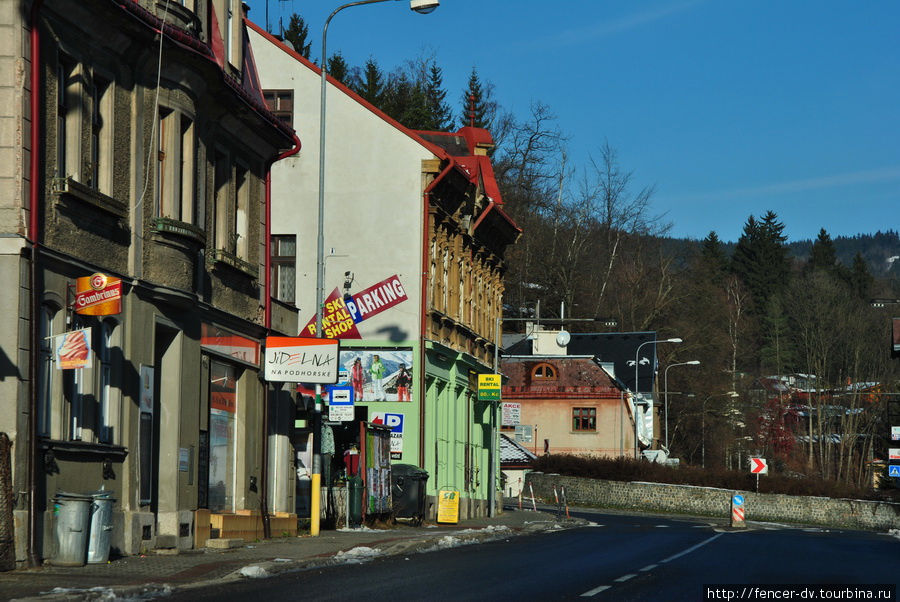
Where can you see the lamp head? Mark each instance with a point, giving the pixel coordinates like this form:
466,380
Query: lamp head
423,7
693,363
675,340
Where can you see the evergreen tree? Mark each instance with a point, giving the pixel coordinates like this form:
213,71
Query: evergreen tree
713,257
338,68
404,100
861,281
760,259
370,84
297,33
441,116
822,256
478,107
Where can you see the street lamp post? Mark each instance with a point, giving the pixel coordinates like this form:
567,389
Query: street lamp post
666,390
420,6
637,353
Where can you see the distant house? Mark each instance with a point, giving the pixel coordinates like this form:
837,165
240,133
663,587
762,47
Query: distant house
569,404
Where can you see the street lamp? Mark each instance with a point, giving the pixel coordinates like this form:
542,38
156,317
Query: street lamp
637,353
420,6
666,390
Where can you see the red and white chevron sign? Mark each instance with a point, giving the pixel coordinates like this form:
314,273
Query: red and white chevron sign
737,514
758,466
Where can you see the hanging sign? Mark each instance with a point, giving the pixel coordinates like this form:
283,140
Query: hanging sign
488,387
98,295
73,349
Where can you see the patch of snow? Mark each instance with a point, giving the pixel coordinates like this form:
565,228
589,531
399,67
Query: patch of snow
894,533
362,529
357,555
489,529
254,572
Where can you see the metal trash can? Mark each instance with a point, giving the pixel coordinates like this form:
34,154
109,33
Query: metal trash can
408,491
72,512
101,527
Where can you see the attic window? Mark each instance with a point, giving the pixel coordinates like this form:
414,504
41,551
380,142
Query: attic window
543,371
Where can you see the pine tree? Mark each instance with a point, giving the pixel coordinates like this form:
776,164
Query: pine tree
338,68
861,281
713,257
760,259
441,117
370,83
297,33
478,107
822,256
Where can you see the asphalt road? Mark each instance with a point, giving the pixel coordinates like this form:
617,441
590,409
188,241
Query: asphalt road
619,558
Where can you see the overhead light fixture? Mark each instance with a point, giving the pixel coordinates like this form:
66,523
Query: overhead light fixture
423,7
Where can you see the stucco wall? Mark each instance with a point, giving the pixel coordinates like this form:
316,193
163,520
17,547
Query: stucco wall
708,501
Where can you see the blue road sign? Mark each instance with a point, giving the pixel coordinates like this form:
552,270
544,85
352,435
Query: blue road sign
737,500
894,470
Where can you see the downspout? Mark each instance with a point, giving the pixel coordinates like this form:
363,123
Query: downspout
267,295
33,224
426,204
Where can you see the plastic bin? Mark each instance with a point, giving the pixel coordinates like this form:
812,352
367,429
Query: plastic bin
72,512
101,527
354,501
408,491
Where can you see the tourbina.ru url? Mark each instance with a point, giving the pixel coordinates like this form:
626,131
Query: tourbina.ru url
800,592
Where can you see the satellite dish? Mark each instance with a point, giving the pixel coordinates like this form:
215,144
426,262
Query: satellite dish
563,338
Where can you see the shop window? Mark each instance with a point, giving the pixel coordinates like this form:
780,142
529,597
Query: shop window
543,371
284,267
584,419
222,410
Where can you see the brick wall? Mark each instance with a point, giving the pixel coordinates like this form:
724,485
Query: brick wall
708,501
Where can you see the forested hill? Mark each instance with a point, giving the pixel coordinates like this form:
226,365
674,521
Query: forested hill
880,250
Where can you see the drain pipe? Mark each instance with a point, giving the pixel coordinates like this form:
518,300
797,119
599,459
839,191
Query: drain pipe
34,559
267,292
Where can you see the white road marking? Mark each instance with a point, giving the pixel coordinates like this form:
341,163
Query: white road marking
662,526
649,567
625,578
692,548
595,591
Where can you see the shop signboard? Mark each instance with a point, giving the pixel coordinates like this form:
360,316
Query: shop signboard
73,349
488,387
301,360
98,295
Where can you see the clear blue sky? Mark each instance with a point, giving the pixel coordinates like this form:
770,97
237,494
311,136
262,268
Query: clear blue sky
728,108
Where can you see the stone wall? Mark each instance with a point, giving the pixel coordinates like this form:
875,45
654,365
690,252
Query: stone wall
709,501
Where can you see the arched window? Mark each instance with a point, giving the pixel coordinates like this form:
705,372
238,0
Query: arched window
543,371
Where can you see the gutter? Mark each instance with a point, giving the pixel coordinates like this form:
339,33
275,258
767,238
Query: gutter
426,204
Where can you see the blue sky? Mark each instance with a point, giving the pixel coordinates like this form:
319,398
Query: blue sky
727,108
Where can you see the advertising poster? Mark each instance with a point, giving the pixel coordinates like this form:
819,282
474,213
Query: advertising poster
511,413
73,349
378,374
395,421
378,471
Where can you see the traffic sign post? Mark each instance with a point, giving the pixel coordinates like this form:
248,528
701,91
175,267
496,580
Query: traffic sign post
894,470
758,466
737,511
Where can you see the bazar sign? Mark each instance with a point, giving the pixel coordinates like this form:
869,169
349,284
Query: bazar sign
340,315
98,295
301,360
224,342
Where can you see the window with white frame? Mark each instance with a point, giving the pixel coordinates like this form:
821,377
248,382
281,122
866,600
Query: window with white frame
241,213
68,116
284,267
107,391
45,379
221,201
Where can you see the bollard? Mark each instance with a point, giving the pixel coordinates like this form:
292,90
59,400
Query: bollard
737,511
565,502
533,502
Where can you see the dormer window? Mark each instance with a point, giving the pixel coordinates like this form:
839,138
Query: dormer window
543,371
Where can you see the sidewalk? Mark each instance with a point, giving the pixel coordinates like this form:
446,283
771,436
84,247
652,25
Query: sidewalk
159,574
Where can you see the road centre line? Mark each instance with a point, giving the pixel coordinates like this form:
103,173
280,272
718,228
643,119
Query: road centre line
595,591
692,548
649,567
625,578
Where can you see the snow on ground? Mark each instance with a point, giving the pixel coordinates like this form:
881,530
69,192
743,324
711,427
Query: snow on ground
894,533
357,555
254,572
362,529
